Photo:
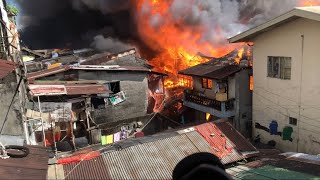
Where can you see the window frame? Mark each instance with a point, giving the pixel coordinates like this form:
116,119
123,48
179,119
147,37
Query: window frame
293,121
279,67
207,83
186,81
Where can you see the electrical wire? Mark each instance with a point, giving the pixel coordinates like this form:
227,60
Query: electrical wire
304,122
15,93
312,106
314,119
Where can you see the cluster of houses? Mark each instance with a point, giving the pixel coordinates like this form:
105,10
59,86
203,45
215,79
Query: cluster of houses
103,103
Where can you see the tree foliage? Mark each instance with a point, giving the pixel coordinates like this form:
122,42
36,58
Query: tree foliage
12,9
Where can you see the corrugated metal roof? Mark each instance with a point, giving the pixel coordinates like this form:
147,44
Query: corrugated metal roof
240,142
92,169
34,166
211,70
6,67
76,89
47,72
155,159
222,146
104,57
112,68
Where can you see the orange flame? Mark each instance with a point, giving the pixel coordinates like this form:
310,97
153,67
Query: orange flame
251,83
240,54
177,43
305,3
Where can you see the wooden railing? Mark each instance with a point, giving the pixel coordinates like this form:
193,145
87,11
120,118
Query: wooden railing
212,103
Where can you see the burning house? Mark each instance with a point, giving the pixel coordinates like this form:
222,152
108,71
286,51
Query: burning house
216,90
100,95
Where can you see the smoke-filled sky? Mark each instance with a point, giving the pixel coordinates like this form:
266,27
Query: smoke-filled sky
103,23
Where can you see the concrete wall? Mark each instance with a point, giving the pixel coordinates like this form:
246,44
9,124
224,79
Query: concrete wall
243,103
135,86
276,99
231,87
13,125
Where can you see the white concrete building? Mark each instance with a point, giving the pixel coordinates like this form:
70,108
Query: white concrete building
286,73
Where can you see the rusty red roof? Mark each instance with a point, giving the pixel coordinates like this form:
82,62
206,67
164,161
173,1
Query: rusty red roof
74,89
34,166
6,67
78,89
211,133
240,142
47,72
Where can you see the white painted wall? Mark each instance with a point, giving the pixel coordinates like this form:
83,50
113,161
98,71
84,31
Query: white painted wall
278,99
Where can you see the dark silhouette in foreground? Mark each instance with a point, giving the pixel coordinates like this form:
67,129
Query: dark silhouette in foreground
200,166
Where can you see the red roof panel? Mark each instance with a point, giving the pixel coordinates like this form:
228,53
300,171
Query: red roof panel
6,67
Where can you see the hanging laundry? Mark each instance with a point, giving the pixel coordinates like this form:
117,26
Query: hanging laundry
109,139
103,140
287,132
217,88
117,137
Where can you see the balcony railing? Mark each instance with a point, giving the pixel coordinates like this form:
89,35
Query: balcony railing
211,103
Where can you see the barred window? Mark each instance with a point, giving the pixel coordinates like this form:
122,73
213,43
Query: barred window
279,67
206,83
293,121
186,81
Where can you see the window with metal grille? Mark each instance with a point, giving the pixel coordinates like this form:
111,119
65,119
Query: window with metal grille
186,81
293,121
279,67
206,83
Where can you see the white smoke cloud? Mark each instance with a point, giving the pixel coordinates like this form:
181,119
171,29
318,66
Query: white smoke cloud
225,14
109,44
263,10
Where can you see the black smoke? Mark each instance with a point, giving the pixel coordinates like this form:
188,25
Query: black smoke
72,23
78,23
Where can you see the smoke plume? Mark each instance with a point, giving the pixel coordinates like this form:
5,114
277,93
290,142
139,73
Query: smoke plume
81,23
109,44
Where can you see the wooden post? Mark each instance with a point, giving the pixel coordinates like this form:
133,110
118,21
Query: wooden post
72,135
88,121
43,133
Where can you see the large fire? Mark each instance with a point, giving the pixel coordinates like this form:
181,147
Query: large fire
179,45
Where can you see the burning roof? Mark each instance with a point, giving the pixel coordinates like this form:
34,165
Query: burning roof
211,70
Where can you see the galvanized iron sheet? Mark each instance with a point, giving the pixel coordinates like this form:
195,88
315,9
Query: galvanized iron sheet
154,160
92,169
